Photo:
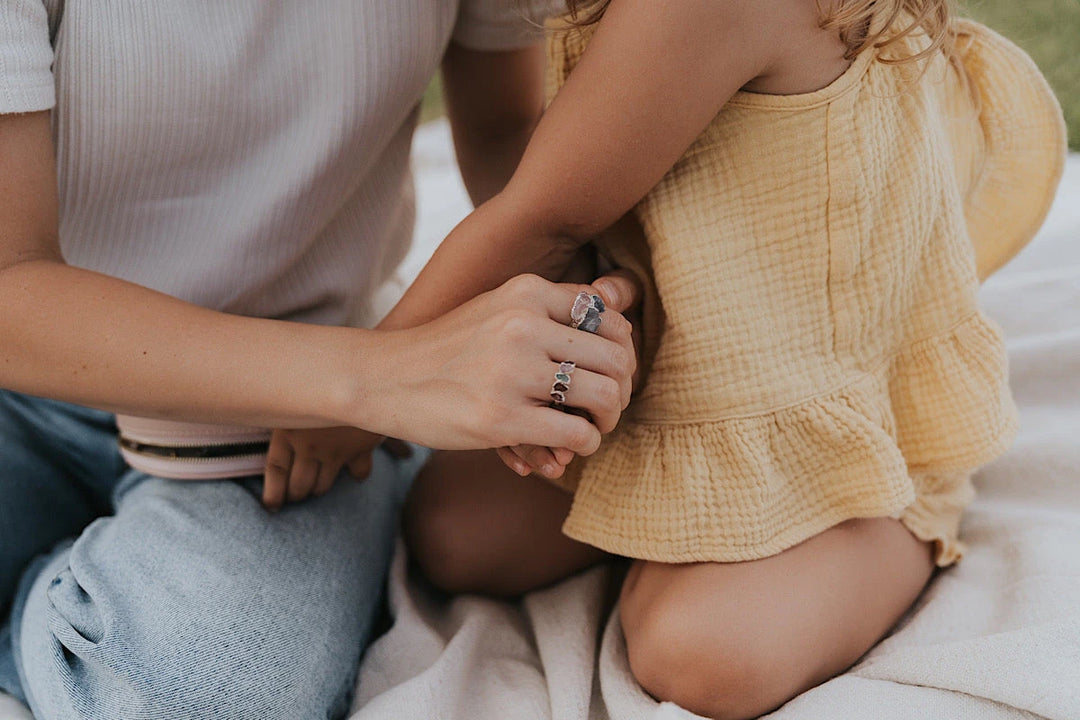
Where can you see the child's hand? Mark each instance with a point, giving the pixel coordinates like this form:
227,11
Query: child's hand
546,462
301,463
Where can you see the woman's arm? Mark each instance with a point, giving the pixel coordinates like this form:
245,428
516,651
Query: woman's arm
493,101
95,340
87,338
653,77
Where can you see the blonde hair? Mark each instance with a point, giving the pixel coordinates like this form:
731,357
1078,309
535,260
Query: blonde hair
862,24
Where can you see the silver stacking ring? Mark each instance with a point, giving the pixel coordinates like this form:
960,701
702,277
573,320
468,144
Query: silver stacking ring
561,386
585,312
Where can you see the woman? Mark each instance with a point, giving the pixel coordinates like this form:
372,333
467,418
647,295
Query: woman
233,185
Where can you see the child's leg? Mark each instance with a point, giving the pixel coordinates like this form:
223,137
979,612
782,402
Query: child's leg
473,525
737,640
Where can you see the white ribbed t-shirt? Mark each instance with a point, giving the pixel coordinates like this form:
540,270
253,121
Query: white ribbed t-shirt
244,155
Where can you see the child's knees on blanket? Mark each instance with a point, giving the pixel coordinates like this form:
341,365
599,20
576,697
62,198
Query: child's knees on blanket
472,525
677,656
736,640
440,540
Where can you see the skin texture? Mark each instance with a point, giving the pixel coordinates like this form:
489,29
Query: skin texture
723,640
493,101
83,337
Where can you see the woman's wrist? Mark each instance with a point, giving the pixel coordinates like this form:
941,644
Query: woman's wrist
360,391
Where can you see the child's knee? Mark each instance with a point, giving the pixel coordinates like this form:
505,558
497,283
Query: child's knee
438,532
713,667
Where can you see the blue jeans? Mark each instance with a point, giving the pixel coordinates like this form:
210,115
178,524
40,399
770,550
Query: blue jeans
129,596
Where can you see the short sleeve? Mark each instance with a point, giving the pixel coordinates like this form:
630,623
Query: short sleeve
26,56
503,24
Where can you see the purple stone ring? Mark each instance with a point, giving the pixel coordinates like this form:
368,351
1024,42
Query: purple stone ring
585,312
561,386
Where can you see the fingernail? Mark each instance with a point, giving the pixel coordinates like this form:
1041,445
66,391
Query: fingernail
550,469
607,289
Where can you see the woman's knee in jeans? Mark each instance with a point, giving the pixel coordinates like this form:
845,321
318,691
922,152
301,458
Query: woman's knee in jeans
113,656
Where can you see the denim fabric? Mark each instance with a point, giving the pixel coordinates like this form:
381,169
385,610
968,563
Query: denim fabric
189,600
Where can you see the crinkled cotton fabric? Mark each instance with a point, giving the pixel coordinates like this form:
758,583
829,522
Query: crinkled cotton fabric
818,353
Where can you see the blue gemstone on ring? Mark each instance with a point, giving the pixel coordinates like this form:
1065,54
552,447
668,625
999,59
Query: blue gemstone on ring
591,323
562,377
598,303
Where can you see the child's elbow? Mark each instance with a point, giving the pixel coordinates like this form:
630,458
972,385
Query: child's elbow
569,225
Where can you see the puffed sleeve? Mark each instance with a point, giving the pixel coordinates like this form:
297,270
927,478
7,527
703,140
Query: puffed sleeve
26,56
503,24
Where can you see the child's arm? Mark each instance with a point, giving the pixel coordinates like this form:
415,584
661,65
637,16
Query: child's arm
652,78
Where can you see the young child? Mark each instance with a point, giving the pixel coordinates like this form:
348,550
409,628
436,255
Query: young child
821,187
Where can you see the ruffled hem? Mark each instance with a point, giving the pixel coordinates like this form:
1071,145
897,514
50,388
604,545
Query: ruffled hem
748,487
935,515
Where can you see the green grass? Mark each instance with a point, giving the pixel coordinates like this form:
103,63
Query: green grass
431,106
1049,30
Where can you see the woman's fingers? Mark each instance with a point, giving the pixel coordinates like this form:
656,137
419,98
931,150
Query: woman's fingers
595,393
556,299
623,291
596,354
573,432
482,375
562,456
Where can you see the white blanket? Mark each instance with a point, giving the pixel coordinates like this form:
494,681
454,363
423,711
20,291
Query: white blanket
995,638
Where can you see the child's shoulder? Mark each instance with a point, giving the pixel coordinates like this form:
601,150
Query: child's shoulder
805,55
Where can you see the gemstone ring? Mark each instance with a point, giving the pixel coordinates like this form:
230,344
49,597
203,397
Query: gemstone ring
561,386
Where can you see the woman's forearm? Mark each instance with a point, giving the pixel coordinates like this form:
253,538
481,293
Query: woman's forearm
82,337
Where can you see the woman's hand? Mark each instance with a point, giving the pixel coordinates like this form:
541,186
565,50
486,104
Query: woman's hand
622,293
481,375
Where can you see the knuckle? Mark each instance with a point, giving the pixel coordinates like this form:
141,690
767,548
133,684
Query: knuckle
525,286
622,361
515,325
277,466
581,437
610,393
488,420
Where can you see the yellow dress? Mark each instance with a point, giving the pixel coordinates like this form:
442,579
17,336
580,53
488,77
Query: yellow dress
816,347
